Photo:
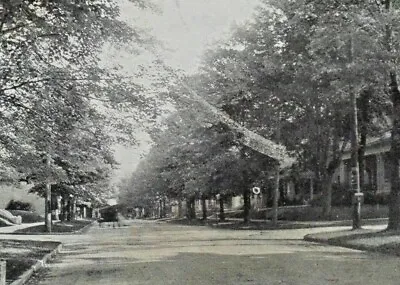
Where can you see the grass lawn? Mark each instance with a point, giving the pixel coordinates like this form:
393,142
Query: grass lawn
315,213
21,255
27,216
60,227
234,224
305,217
194,222
385,241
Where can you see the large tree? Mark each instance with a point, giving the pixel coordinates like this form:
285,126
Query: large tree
53,90
292,70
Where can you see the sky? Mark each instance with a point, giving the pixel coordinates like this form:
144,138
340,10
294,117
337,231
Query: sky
186,28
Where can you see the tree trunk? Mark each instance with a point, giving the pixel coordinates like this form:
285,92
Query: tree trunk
193,208
188,209
161,209
69,209
204,207
364,121
221,209
328,161
191,211
276,196
48,208
331,166
265,203
327,192
63,209
327,187
180,211
73,212
247,204
165,210
394,205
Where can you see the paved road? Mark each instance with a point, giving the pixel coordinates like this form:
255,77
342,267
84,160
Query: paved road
153,253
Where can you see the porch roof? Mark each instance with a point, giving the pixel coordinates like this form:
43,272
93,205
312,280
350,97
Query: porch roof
374,145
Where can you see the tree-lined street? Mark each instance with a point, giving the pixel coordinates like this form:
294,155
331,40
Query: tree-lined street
158,253
293,115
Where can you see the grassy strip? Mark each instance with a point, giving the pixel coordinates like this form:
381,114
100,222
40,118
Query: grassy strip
16,267
240,225
27,217
386,242
230,224
353,241
61,227
315,213
21,255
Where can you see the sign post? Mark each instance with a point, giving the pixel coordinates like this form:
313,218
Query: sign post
2,272
358,197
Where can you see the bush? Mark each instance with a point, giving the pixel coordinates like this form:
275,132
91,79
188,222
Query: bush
341,196
376,198
19,205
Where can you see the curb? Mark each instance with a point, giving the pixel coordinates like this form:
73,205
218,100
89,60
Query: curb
85,228
82,230
24,277
312,239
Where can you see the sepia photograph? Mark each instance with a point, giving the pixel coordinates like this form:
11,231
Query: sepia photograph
199,142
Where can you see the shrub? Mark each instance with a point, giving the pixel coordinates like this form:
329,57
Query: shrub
341,196
19,205
376,198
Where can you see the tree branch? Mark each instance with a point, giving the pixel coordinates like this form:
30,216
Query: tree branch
17,86
9,30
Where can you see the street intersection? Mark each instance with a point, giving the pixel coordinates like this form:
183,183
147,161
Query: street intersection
154,253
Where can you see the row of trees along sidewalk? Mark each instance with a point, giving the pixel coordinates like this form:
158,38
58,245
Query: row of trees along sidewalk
292,58
54,93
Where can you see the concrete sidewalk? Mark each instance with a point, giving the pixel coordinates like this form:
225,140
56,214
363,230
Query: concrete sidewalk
370,238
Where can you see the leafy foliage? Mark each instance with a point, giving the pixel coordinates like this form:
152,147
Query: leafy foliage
55,97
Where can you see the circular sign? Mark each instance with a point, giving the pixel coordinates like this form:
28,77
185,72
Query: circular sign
256,190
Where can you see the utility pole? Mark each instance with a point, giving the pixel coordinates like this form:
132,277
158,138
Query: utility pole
355,168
